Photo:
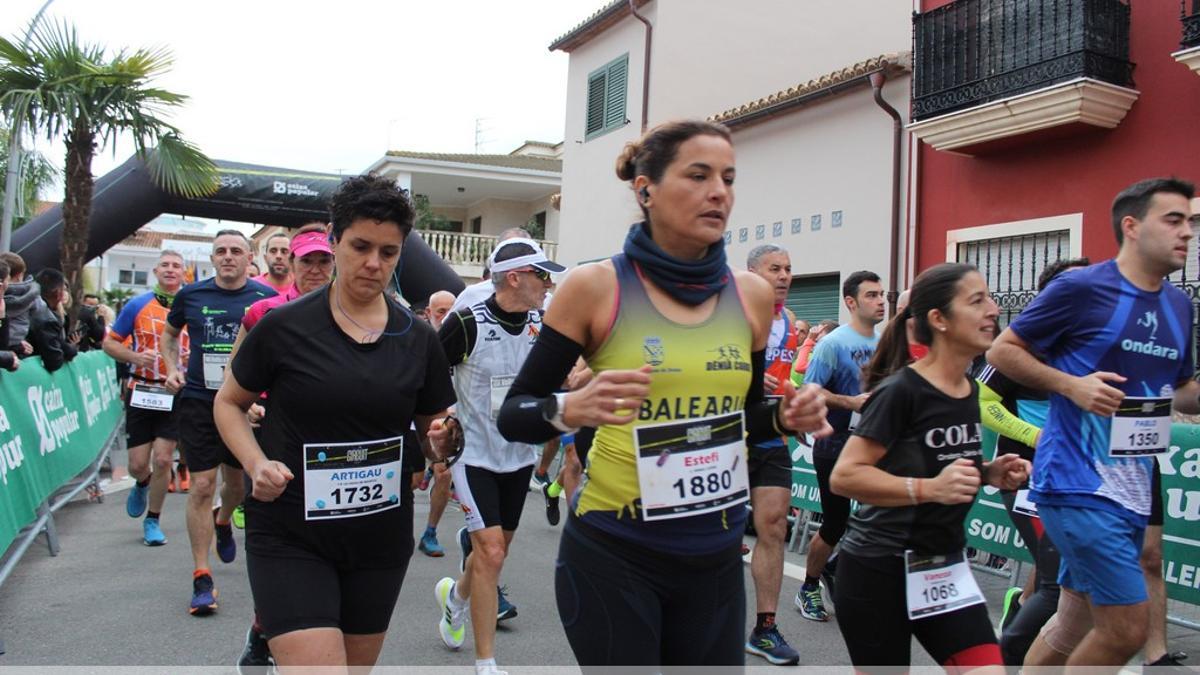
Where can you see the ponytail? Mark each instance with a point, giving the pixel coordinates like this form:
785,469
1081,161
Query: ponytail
892,353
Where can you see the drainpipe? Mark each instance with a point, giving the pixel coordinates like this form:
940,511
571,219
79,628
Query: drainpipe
877,79
646,62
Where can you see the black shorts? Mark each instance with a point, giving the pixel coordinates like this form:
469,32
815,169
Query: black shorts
488,498
769,467
1156,498
198,436
835,509
307,590
143,426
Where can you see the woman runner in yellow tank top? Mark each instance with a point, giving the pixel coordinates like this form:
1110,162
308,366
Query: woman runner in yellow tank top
649,570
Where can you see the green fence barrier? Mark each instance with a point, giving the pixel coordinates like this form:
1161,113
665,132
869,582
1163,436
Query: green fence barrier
990,529
52,426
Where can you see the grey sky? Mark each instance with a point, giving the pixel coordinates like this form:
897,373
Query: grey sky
330,86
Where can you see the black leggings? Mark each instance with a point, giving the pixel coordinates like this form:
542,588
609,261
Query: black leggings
625,605
872,613
835,509
1043,603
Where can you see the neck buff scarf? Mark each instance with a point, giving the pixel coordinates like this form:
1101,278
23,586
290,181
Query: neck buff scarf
688,281
164,298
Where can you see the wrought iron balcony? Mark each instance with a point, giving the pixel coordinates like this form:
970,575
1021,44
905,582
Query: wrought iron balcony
467,253
1191,24
971,52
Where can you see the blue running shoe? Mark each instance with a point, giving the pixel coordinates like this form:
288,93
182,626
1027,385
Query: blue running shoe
505,610
204,596
464,545
770,645
135,503
429,545
810,603
226,546
152,534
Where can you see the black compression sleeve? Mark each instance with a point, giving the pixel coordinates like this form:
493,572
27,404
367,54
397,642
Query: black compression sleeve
548,364
760,413
456,336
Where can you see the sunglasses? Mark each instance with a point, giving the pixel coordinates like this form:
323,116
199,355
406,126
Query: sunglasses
540,274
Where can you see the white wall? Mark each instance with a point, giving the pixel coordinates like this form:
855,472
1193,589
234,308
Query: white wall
805,164
710,56
499,214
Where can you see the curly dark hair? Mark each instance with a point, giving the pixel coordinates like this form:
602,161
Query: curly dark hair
372,197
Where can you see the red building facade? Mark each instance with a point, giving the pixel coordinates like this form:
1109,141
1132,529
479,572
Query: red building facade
1026,172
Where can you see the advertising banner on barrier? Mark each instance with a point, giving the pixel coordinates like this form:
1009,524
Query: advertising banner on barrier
805,494
1180,467
52,425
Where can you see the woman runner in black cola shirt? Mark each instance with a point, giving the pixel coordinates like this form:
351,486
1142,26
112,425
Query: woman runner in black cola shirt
915,463
329,522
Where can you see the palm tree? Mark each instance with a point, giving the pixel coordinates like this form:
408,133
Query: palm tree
61,87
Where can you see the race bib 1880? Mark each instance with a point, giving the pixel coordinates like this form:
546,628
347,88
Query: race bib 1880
692,467
346,480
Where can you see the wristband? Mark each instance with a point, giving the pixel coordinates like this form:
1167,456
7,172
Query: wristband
779,429
908,486
919,482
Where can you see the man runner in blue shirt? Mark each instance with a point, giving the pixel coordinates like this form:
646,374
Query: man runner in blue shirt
1117,343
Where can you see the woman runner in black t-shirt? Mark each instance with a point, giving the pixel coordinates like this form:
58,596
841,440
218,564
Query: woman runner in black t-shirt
915,463
329,522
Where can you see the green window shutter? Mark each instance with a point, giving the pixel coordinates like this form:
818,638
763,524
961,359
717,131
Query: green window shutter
595,101
814,299
618,83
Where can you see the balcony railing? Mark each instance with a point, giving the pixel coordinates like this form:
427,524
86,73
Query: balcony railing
971,52
458,248
1191,24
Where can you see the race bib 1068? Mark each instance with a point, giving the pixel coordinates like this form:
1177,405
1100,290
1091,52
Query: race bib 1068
936,584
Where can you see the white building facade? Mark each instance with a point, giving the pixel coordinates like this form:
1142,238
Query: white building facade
793,80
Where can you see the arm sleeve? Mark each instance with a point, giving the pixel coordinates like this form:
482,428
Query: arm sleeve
802,356
886,413
457,336
7,359
548,364
760,412
822,363
1001,420
1052,314
437,392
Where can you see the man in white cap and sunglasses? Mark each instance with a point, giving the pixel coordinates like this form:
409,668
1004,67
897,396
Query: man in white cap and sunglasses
486,343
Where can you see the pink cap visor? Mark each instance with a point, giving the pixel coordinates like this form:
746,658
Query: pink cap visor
303,244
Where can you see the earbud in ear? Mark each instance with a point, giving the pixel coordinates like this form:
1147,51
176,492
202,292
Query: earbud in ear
645,193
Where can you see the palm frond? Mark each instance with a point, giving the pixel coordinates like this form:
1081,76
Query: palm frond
179,167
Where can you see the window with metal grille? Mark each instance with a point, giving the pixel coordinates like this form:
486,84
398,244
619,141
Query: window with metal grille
1011,265
1188,281
606,93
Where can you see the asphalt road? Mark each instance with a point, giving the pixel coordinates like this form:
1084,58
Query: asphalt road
107,600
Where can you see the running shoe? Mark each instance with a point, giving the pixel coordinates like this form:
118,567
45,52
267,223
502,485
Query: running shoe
1172,660
226,546
452,624
152,534
1012,605
429,545
505,610
204,596
256,657
464,545
425,478
185,478
770,645
539,481
810,604
239,517
552,513
171,482
135,503
489,669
